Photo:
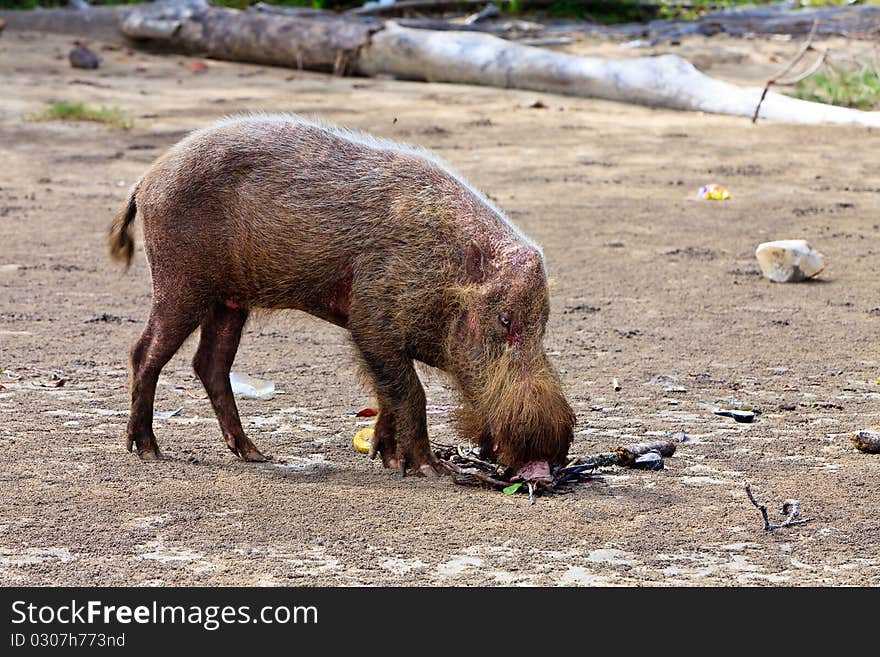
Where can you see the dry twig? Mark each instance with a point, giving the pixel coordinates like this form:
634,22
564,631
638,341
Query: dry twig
808,45
790,508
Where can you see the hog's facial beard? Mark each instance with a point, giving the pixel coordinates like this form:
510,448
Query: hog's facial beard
514,409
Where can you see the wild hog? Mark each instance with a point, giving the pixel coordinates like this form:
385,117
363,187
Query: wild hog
376,237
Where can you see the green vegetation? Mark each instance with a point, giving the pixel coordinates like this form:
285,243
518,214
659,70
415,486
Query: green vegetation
603,11
65,111
848,87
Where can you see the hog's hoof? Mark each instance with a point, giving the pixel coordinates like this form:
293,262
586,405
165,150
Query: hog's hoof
244,449
406,467
254,456
150,455
146,446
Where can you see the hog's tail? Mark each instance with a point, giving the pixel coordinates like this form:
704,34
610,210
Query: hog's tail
120,239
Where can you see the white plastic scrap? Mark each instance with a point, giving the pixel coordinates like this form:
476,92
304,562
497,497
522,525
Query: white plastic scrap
247,387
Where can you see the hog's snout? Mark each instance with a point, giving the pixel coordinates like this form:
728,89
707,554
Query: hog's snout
520,413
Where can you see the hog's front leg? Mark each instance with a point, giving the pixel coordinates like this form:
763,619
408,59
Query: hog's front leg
401,434
401,431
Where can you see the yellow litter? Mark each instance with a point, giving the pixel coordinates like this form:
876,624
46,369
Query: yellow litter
363,439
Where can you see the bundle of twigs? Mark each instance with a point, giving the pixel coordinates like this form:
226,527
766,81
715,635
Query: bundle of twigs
468,469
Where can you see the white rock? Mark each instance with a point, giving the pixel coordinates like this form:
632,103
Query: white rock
789,261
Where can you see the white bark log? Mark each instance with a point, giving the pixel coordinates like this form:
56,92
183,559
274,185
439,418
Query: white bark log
666,81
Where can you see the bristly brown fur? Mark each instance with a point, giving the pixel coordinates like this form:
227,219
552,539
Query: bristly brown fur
273,212
520,415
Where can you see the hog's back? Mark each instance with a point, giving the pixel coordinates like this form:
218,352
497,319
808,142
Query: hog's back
272,211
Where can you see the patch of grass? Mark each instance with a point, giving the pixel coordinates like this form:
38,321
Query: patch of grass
65,111
694,9
847,87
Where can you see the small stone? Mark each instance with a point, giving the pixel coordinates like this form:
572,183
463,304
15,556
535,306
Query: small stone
739,416
82,57
649,461
789,261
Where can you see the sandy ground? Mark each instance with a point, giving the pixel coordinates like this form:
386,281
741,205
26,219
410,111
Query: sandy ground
650,287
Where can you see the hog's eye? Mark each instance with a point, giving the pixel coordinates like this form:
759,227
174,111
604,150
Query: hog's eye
504,320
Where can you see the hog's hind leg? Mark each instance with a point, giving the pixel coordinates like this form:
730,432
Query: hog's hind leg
168,326
220,336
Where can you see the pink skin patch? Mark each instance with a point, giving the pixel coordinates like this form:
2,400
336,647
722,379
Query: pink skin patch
534,471
229,303
512,334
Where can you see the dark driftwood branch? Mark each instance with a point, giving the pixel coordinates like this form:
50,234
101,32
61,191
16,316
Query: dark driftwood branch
192,26
790,508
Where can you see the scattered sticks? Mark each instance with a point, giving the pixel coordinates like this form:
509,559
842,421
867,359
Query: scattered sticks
790,508
467,469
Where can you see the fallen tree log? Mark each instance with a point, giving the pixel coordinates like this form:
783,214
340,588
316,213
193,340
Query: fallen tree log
368,47
667,81
300,41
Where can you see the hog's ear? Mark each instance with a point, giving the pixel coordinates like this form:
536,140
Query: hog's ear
475,263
